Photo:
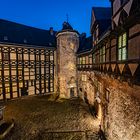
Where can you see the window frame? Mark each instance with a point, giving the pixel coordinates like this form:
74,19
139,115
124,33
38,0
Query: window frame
122,47
102,54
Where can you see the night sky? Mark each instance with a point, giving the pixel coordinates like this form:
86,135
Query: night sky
51,13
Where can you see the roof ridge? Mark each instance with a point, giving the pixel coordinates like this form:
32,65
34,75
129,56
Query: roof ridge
21,24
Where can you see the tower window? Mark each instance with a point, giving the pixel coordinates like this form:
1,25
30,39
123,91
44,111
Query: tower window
122,52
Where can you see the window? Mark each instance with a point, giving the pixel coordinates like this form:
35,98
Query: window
102,54
80,60
122,52
37,57
51,58
5,38
6,56
93,58
90,59
84,60
32,83
25,41
84,78
20,72
19,56
37,70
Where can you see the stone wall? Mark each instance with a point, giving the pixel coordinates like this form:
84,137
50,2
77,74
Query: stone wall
120,104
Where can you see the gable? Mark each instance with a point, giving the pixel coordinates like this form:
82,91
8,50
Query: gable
93,19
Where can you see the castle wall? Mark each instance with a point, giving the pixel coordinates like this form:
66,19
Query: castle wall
120,104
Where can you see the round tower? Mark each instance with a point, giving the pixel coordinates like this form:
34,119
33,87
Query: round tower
67,45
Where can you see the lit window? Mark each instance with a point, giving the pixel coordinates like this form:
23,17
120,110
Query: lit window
19,56
84,78
80,60
102,54
37,57
20,72
37,70
93,58
122,52
84,60
7,89
6,56
90,59
51,58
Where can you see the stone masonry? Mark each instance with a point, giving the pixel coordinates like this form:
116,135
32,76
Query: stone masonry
67,43
120,104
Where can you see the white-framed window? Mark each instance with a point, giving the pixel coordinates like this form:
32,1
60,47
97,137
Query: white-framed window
122,52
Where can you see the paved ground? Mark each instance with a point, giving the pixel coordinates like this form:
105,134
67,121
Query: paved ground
37,115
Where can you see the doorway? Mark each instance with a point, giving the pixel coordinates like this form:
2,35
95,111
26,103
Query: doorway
72,92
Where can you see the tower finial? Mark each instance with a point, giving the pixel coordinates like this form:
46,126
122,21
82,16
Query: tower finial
67,17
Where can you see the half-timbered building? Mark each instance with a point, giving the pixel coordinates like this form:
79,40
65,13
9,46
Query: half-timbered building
26,60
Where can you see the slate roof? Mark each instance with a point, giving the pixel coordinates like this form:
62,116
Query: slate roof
85,45
102,13
22,34
102,17
67,26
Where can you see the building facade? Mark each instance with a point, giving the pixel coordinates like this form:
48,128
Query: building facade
108,73
103,70
26,60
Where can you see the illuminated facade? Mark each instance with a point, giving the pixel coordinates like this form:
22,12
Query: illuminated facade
109,68
67,45
26,60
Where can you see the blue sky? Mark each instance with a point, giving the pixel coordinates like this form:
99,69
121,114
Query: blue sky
51,13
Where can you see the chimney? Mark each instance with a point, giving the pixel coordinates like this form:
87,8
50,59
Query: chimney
51,31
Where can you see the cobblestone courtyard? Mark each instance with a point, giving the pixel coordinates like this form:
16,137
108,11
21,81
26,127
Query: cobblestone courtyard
37,115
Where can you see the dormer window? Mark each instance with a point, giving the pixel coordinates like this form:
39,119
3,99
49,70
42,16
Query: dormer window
25,41
5,38
50,44
51,31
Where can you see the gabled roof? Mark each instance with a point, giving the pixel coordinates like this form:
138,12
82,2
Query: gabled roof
85,45
102,13
22,34
99,16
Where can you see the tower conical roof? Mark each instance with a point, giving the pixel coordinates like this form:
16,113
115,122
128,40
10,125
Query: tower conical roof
67,26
